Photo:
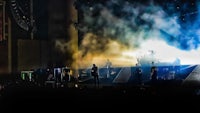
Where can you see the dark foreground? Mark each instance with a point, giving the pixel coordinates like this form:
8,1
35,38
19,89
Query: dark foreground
165,97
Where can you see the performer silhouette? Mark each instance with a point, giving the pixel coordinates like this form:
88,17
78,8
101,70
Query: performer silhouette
94,73
153,73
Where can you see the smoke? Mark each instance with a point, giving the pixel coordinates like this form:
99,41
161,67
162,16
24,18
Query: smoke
168,54
117,30
121,31
132,23
95,49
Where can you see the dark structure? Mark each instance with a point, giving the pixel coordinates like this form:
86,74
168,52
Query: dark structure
31,30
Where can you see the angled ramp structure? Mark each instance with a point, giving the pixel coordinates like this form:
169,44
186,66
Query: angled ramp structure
193,78
123,76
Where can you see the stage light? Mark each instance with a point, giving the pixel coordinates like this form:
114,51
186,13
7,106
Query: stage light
76,85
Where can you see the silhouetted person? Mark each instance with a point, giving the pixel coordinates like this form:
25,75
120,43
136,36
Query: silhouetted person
40,76
94,73
153,73
50,76
108,66
58,76
138,73
65,76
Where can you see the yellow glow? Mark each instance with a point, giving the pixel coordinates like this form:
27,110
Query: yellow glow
91,51
73,44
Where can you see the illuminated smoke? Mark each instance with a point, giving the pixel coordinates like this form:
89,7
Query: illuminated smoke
122,31
69,46
168,54
133,24
97,50
70,49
